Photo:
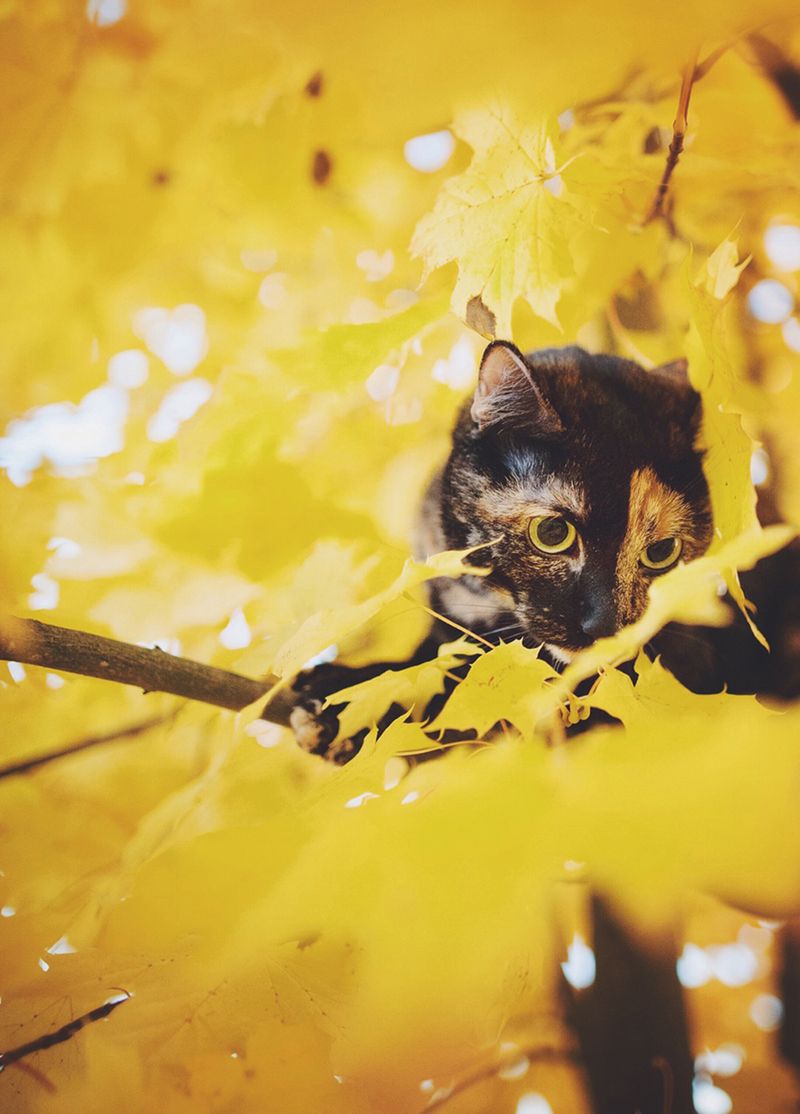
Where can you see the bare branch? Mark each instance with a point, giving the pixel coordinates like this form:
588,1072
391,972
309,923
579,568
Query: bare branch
538,1052
679,127
631,1022
708,63
91,655
65,1033
129,732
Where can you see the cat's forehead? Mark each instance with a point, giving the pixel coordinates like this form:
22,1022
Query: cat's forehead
611,430
613,500
617,453
605,401
534,491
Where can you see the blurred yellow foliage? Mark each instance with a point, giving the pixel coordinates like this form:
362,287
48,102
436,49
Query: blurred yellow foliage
229,367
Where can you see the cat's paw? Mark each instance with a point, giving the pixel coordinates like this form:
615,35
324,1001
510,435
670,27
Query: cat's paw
315,726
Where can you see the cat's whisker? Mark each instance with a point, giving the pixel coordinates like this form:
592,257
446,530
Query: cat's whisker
509,626
452,623
486,606
555,448
512,628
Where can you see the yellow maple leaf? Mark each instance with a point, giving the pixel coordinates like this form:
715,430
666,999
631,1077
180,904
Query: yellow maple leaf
722,269
413,688
326,627
687,594
508,682
504,220
713,373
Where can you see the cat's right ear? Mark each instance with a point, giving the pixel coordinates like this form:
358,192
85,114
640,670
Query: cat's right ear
508,394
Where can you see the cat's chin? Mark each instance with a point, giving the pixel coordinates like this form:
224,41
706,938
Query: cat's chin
564,657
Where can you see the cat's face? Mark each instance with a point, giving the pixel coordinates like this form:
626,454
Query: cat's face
582,472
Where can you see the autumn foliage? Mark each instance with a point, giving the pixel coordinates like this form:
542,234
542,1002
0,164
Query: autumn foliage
238,311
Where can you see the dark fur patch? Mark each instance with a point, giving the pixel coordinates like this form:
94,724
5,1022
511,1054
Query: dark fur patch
616,455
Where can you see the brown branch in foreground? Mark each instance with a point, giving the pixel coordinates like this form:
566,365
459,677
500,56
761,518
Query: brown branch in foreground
65,1033
91,655
789,990
679,127
631,1022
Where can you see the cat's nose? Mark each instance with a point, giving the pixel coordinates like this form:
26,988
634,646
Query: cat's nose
599,620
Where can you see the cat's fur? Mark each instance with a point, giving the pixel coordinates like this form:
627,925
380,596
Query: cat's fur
597,439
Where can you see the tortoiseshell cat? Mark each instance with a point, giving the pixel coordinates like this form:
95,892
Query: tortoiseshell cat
585,468
581,476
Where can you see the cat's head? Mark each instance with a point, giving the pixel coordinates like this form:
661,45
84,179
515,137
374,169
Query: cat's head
586,468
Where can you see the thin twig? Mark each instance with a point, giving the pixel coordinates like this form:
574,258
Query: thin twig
486,1071
614,95
91,655
679,127
710,60
34,1073
65,1033
129,732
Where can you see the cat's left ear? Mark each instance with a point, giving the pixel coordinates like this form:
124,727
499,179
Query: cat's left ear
508,393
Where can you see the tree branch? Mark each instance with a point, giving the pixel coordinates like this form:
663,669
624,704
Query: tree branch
789,990
65,1033
91,655
536,1053
679,127
24,765
631,1023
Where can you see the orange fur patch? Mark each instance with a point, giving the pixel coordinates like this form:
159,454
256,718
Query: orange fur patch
655,511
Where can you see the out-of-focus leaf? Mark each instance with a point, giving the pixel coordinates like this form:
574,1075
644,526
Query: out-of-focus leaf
223,393
328,627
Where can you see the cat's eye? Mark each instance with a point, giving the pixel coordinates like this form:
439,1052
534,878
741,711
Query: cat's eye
551,533
661,554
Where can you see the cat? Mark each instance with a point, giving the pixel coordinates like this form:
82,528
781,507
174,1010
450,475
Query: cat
586,468
580,477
